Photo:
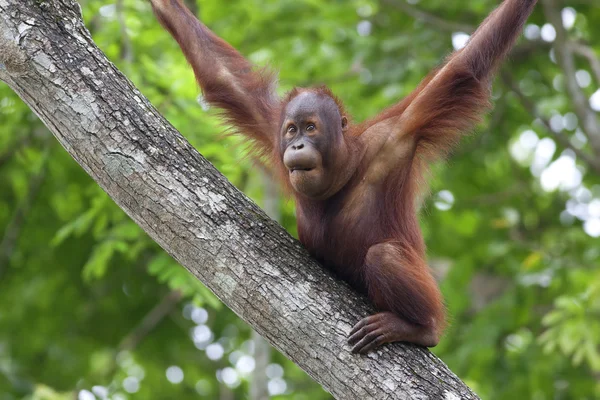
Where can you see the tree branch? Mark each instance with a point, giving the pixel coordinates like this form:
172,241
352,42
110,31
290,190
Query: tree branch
49,59
192,5
150,321
13,148
564,56
14,227
561,137
126,47
430,19
588,53
441,24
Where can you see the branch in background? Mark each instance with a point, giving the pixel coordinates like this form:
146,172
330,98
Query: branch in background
588,53
225,393
14,227
259,384
146,325
192,5
528,47
429,18
13,148
150,321
440,24
486,288
562,138
126,46
492,199
564,56
259,389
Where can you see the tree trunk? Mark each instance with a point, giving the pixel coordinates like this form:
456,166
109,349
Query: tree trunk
49,59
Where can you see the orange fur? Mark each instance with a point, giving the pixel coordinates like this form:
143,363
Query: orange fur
368,234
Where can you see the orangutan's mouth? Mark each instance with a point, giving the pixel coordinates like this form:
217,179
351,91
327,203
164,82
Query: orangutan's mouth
300,169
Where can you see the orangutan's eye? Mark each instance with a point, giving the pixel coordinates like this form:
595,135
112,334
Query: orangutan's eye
291,129
310,127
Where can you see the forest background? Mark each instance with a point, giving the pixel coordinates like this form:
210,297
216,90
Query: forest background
91,307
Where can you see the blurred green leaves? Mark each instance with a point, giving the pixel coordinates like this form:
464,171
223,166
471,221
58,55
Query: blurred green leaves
519,272
573,326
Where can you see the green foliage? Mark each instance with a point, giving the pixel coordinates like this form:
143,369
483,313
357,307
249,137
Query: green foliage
573,326
80,283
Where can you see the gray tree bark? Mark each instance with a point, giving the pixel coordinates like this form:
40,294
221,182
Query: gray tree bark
49,59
